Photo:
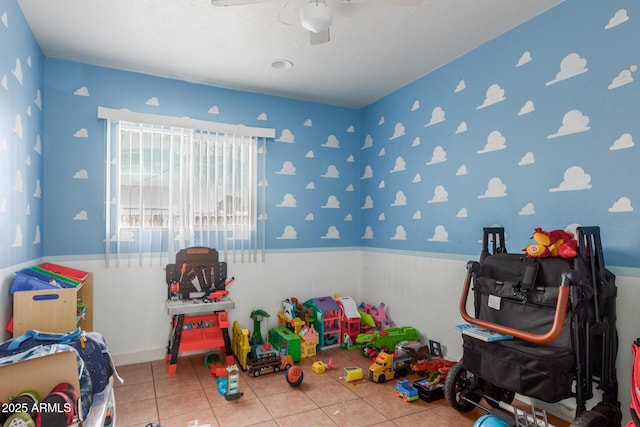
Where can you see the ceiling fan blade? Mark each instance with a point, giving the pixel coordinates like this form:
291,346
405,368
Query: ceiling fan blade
290,13
237,2
319,38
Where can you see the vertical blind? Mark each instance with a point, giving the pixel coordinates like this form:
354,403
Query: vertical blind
176,183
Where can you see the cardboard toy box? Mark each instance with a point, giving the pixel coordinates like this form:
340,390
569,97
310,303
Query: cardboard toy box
40,374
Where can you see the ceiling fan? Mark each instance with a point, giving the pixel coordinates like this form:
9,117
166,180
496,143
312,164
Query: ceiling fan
315,16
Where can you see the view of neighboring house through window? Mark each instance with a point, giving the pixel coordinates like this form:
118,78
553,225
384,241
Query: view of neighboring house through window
173,187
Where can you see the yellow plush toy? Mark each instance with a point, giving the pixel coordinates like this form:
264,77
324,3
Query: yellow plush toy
555,243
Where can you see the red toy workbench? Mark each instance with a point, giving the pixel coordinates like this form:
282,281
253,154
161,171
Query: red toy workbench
198,325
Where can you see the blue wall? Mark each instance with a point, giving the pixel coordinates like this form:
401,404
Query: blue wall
311,167
537,128
21,140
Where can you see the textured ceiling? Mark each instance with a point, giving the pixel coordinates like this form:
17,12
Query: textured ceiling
375,47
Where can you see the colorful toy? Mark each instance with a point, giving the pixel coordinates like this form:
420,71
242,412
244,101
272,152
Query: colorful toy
264,359
240,344
436,366
366,321
489,420
389,337
288,316
310,339
393,365
555,243
428,391
353,373
295,315
388,366
378,314
228,382
350,323
283,338
257,316
348,343
294,376
319,367
406,391
328,315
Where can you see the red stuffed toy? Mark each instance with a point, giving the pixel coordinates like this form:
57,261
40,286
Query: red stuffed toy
555,243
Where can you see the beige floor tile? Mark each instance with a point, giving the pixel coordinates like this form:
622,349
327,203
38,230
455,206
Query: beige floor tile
391,406
134,374
184,366
313,418
182,403
135,392
270,423
242,413
424,418
151,395
177,384
364,387
457,418
392,424
311,378
354,413
202,417
289,403
268,384
329,393
136,413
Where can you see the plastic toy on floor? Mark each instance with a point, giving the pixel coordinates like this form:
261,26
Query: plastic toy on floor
319,367
406,391
228,382
294,376
351,320
257,316
489,421
264,359
388,337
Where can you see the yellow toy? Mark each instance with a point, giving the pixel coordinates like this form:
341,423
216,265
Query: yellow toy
320,367
555,243
353,373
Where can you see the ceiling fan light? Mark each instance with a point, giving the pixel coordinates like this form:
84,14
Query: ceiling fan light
316,16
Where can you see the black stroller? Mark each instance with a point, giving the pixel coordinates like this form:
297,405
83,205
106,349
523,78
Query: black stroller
561,314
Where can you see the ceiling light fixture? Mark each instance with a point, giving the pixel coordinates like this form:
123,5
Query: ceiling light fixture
316,16
282,64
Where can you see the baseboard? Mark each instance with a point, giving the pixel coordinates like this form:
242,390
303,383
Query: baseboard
139,357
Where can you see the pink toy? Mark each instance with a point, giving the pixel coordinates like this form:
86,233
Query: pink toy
378,314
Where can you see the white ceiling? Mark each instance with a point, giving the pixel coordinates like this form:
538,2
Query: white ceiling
375,47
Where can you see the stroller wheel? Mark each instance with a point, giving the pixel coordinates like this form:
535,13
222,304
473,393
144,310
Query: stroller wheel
495,394
612,412
461,385
591,419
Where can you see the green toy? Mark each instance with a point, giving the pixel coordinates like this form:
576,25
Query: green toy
258,316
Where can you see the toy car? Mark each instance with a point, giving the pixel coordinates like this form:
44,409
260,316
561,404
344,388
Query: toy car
405,390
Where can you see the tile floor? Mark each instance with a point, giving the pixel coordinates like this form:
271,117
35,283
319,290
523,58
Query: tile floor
150,395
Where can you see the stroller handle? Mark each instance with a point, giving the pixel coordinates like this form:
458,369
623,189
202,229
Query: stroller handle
552,334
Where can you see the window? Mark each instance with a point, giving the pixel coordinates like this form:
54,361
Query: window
171,187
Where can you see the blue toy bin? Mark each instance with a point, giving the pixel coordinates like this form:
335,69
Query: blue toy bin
31,280
489,421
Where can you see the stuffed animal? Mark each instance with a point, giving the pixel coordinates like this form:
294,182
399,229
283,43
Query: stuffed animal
555,243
